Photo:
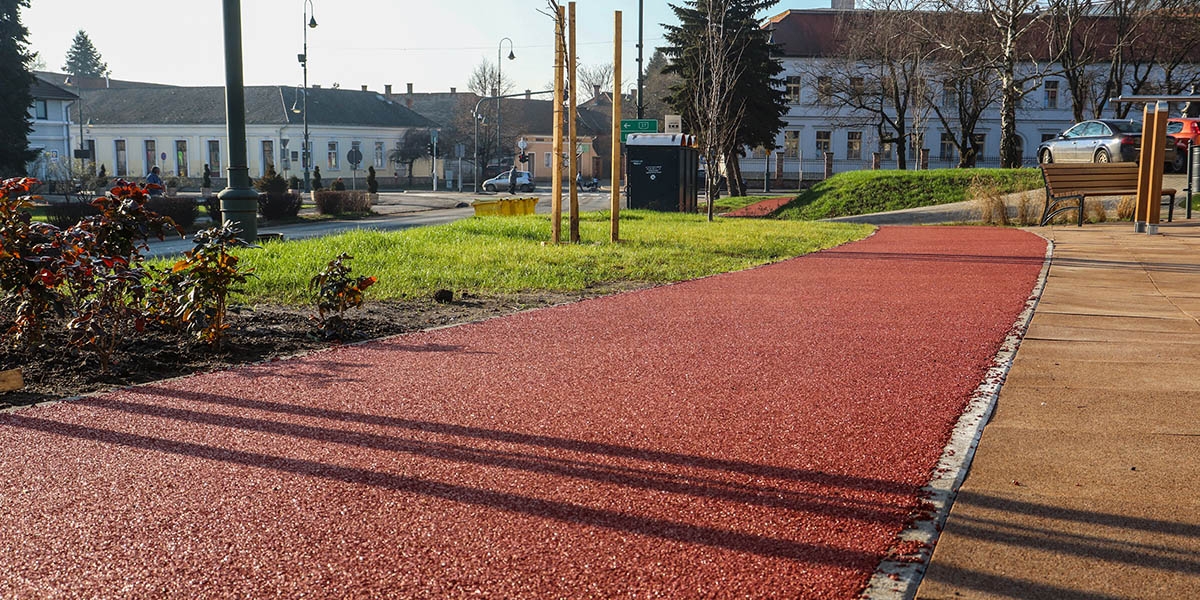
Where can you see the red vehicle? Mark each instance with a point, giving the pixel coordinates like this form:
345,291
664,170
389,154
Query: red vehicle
1186,133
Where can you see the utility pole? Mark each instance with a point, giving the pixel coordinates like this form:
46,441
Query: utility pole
615,194
641,106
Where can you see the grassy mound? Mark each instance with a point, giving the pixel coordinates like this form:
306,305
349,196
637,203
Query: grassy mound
865,192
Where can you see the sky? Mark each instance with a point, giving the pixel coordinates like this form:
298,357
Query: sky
433,44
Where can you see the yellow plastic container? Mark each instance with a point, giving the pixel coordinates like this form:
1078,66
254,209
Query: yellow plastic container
486,207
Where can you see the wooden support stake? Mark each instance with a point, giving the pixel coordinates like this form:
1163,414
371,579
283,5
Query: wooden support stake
11,380
1158,154
1142,202
556,161
572,62
615,203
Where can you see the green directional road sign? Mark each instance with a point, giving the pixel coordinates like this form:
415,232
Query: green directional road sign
629,126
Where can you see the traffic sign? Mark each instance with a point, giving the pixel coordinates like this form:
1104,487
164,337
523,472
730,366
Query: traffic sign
629,126
354,157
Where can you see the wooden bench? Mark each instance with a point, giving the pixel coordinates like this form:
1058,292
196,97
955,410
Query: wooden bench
1068,184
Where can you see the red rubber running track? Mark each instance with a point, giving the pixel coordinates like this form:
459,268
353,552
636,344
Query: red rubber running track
761,433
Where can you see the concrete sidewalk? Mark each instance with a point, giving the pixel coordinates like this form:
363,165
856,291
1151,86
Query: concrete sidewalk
1085,483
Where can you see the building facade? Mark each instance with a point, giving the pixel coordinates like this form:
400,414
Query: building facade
51,136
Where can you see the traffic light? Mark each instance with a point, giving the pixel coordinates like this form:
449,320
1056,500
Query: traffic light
429,148
524,157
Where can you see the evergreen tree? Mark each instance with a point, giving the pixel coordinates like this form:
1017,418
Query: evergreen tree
82,59
15,96
758,93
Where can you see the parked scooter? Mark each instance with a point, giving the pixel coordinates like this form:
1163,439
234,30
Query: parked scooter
587,185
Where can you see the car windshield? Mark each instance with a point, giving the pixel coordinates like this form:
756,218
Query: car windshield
1175,127
1126,126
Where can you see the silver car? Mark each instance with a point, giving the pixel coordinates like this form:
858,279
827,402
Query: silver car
1099,141
500,182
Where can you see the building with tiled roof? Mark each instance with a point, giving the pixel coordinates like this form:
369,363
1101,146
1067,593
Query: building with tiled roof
50,138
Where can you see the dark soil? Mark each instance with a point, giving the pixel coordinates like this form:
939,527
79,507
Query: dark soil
54,370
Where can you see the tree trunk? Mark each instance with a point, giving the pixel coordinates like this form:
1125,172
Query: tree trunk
733,167
410,170
1010,145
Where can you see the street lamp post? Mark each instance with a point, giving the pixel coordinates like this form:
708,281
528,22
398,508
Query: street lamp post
310,22
499,91
239,201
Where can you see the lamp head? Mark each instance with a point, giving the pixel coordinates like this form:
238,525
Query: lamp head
312,22
511,56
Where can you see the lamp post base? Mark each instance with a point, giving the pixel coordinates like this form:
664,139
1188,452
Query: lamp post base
240,205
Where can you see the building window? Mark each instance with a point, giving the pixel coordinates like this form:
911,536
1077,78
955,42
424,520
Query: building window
946,149
214,156
854,145
949,94
1048,136
824,90
549,155
823,145
122,161
378,155
268,156
856,89
332,157
793,89
980,143
181,158
1050,91
887,151
40,110
791,144
151,155
91,146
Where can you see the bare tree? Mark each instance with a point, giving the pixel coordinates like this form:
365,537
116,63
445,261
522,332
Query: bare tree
594,77
967,86
1010,26
878,78
717,61
483,80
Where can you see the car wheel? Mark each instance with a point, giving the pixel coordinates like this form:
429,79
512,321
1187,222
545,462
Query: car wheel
489,188
527,188
1102,156
1180,164
1046,158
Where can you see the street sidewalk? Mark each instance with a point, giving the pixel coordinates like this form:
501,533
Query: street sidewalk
1086,482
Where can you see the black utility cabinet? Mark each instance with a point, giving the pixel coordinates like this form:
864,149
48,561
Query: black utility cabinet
662,172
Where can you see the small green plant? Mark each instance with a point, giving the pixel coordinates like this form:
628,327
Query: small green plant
293,183
372,184
336,292
209,273
316,178
206,179
181,211
106,317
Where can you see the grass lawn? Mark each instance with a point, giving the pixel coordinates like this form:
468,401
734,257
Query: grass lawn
865,192
485,255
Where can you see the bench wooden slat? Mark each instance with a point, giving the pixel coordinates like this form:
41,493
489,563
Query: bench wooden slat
1078,181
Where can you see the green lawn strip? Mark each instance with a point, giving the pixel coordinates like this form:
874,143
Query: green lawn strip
492,255
865,192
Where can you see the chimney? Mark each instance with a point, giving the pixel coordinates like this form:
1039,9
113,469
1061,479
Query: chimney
842,4
387,91
408,101
494,92
528,94
364,87
595,90
410,89
453,90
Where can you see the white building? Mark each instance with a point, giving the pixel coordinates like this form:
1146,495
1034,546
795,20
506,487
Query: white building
182,129
815,124
51,136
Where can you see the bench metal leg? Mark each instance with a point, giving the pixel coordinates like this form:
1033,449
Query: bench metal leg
1051,211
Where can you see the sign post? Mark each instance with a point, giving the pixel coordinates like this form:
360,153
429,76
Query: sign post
354,157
